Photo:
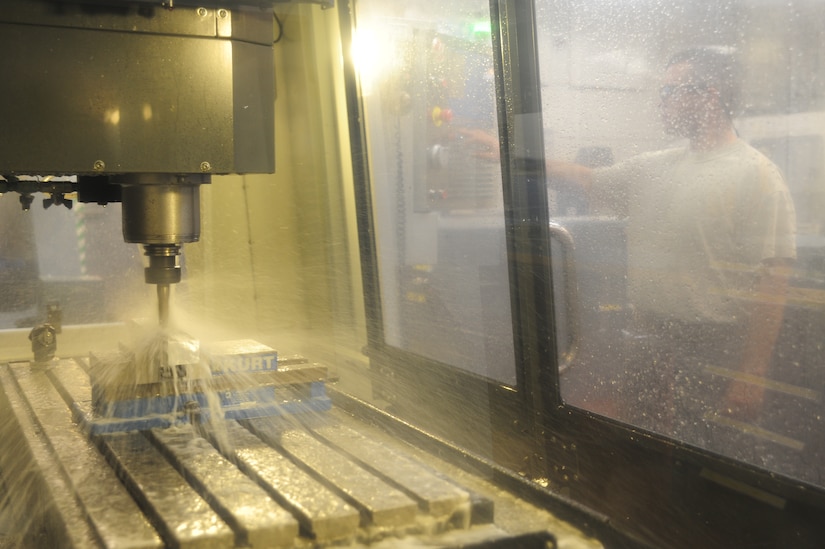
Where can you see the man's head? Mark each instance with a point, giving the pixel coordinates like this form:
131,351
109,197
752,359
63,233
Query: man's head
700,91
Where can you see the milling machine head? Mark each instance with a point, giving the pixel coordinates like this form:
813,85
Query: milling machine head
162,212
136,101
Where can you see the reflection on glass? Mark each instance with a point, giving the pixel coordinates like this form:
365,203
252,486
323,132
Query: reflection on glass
426,72
686,160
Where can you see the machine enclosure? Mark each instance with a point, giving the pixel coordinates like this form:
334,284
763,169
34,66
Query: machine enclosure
132,88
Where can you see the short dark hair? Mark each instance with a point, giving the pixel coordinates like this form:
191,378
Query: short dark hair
717,68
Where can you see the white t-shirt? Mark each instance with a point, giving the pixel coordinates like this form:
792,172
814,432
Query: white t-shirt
700,224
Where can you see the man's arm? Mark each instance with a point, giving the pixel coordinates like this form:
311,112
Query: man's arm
743,399
570,172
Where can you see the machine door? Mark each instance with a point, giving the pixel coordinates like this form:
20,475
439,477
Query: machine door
436,231
592,250
684,146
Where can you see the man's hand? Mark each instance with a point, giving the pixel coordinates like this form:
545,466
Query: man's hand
486,144
742,400
569,173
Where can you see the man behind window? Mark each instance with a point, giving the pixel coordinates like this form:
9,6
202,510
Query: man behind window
710,241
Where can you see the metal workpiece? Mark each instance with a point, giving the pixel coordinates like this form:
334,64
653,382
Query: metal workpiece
323,515
433,493
380,504
221,365
163,355
257,520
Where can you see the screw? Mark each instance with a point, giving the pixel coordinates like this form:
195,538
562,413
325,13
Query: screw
202,12
206,167
99,166
222,13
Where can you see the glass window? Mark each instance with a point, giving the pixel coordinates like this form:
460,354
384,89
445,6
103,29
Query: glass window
426,71
685,161
72,259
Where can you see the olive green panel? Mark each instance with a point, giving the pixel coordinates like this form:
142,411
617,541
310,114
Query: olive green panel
161,99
